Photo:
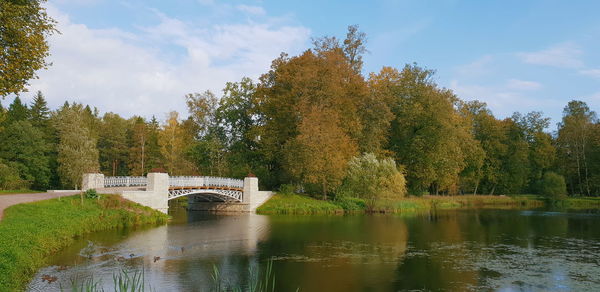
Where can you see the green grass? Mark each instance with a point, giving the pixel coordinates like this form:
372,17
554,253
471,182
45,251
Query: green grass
428,203
298,204
10,192
30,232
301,204
578,203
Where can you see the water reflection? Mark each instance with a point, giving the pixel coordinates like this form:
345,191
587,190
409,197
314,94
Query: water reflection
473,250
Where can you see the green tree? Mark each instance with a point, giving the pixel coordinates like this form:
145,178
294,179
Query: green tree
575,133
154,157
174,142
542,152
10,178
24,29
236,116
138,147
553,185
427,133
113,146
39,113
17,111
77,152
373,179
25,147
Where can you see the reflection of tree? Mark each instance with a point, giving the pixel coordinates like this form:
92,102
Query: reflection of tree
352,253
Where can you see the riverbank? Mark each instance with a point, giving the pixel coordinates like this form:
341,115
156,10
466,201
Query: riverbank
300,204
30,232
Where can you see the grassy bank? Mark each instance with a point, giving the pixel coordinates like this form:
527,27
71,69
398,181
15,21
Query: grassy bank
299,204
30,232
578,203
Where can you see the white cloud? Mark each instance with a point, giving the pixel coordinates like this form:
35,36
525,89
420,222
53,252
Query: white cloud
502,100
591,72
128,73
565,55
517,84
256,10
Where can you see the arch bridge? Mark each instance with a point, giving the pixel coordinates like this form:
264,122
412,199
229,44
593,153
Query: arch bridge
208,188
157,189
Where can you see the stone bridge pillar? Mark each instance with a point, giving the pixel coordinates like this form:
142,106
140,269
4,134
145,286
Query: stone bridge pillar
156,195
252,196
92,181
250,189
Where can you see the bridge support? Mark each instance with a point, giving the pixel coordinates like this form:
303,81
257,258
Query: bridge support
155,196
92,181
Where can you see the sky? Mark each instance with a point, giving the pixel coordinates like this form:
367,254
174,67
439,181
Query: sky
140,57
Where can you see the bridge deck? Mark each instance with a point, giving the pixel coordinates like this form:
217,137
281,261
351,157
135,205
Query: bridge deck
171,188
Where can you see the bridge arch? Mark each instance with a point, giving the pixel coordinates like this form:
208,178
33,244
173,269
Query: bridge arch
208,195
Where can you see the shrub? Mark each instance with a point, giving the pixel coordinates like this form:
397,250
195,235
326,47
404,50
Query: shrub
553,186
10,178
91,194
287,189
372,179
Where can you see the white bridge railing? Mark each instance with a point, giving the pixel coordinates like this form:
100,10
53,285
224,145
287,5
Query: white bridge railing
175,181
205,181
125,181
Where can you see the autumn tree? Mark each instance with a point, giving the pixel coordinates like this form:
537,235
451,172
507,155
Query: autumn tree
323,78
321,151
24,29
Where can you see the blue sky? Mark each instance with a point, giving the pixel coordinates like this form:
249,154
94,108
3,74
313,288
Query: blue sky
141,57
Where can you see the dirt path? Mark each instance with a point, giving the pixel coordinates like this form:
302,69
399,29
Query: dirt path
9,200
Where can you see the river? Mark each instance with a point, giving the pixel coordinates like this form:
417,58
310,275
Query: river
458,250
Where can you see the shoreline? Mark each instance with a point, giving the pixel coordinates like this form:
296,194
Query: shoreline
32,231
295,204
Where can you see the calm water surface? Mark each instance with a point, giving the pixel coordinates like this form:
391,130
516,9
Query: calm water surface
465,250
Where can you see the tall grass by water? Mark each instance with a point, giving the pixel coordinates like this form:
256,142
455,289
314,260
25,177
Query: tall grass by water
30,232
135,281
301,204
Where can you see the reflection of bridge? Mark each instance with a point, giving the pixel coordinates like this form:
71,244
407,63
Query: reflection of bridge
158,188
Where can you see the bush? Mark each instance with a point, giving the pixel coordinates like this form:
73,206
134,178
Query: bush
10,178
553,186
91,194
372,179
287,189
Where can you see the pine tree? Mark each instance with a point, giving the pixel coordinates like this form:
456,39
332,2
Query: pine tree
39,112
17,111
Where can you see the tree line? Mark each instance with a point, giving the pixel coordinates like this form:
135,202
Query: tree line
301,123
